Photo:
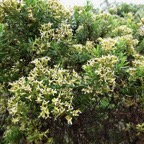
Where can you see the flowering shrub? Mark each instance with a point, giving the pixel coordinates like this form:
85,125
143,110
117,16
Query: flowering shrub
70,76
47,93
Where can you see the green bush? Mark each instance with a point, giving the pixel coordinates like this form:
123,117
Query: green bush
70,76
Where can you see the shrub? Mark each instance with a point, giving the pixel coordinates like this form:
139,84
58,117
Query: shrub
70,76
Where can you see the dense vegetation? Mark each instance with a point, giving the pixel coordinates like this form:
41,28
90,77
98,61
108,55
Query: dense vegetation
71,76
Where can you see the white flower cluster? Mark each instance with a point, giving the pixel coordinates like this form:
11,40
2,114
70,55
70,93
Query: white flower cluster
100,74
128,43
49,34
122,30
48,89
137,68
107,44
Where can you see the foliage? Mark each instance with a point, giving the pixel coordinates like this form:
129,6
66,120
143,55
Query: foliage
70,76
